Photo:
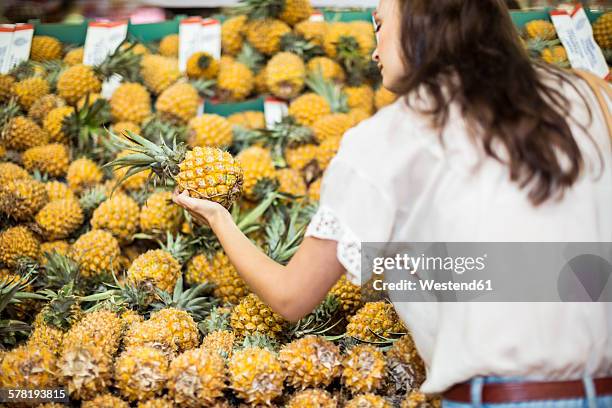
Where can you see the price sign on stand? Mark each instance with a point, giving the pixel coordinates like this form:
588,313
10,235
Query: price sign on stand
102,40
189,39
274,111
576,35
210,37
15,44
316,16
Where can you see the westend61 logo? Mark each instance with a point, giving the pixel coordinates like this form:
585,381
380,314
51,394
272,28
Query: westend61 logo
414,264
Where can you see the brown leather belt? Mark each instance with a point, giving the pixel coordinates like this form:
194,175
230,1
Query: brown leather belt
496,393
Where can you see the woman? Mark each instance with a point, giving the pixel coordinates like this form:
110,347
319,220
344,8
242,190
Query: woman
483,146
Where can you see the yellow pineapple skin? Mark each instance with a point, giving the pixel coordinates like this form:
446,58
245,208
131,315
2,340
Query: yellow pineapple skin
313,31
57,190
101,328
199,270
88,100
39,109
85,369
330,69
235,80
301,156
83,173
232,31
210,130
540,29
347,293
106,400
28,367
295,11
97,252
257,165
312,398
416,399
22,199
159,72
248,119
202,65
59,219
260,82
335,31
314,190
29,90
265,34
383,97
197,377
229,286
178,103
179,328
160,214
23,133
130,102
602,31
54,123
555,55
285,75
368,400
75,56
157,267
6,87
76,82
331,126
310,362
51,159
119,215
46,336
141,373
169,46
360,97
309,107
121,128
45,48
212,174
61,247
219,341
256,375
252,316
379,317
327,150
291,182
363,369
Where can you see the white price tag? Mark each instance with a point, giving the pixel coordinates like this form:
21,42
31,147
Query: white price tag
201,106
6,38
110,85
576,35
20,45
316,16
189,39
210,37
274,111
102,40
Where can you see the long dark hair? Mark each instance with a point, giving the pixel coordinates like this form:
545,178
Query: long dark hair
498,88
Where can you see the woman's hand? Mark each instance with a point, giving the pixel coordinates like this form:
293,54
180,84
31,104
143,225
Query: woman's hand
204,212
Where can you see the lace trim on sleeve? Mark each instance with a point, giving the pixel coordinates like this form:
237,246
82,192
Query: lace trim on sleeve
326,225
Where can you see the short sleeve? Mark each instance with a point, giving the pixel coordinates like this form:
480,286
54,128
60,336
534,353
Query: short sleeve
353,209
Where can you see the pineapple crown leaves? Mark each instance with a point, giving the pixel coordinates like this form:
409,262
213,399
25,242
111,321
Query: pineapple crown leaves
7,112
264,187
26,69
217,320
92,198
9,292
205,87
300,46
250,57
60,271
535,46
250,221
320,321
332,93
287,133
156,127
54,69
196,300
260,9
161,159
260,341
60,311
121,296
84,123
11,288
123,62
178,246
284,232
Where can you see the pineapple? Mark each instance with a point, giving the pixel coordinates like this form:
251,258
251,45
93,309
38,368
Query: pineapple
88,100
130,102
259,172
540,29
261,82
106,400
85,369
158,72
82,174
196,377
45,48
76,82
235,80
6,86
220,341
361,97
291,182
60,218
232,32
256,375
285,75
602,31
54,123
363,369
48,248
405,364
51,159
416,399
347,293
331,126
141,373
556,55
163,402
252,316
383,97
299,157
28,366
178,103
312,31
368,400
314,190
310,362
39,109
289,11
340,35
101,328
205,172
118,215
159,214
229,286
169,46
210,130
374,320
307,108
122,128
295,11
248,119
22,199
57,190
330,69
74,56
326,151
136,182
97,252
312,398
30,90
265,34
22,133
202,65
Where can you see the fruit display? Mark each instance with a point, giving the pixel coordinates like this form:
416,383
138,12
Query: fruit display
114,293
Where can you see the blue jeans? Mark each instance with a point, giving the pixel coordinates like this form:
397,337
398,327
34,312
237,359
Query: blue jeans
591,400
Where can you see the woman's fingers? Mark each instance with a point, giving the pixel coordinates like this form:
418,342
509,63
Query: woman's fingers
184,200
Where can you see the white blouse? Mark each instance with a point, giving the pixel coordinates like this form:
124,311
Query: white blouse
393,181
